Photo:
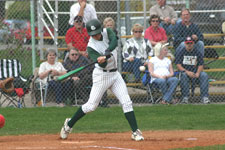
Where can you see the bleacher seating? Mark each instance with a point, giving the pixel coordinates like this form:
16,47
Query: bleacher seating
206,46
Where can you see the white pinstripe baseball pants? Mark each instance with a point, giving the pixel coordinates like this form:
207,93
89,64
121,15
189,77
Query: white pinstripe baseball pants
107,80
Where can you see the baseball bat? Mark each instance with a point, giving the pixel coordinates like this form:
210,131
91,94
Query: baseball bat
72,72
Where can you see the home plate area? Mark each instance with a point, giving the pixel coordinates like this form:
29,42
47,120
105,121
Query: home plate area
154,140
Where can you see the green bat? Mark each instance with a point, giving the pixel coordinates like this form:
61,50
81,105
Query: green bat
72,72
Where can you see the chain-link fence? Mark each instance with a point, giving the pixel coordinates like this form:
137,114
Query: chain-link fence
51,25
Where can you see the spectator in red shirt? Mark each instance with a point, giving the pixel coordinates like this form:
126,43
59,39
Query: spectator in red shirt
155,33
77,36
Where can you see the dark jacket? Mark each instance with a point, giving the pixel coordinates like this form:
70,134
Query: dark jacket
181,32
85,74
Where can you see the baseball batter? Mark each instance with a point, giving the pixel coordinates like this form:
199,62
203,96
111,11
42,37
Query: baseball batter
101,47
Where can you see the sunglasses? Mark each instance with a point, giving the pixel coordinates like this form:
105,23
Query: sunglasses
77,21
155,20
74,54
138,31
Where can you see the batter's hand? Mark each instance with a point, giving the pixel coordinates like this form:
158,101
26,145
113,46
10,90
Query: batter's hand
101,59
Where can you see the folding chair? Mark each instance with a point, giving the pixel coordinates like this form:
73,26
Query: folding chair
13,68
39,90
153,94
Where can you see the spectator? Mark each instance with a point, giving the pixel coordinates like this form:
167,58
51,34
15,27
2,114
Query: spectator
156,34
81,80
167,15
82,8
55,69
77,36
187,28
136,51
190,62
162,75
109,23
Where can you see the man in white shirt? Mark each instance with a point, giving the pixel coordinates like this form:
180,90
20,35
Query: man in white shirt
166,13
82,8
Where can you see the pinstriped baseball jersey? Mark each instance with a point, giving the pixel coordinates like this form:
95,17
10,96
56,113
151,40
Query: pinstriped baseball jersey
103,80
100,47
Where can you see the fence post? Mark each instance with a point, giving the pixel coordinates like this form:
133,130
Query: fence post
32,34
144,6
119,35
56,27
188,4
127,17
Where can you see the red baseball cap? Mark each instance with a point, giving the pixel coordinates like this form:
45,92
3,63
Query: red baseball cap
189,40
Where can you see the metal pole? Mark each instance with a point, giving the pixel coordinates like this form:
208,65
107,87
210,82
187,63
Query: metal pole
188,4
144,6
56,26
119,35
32,34
127,18
40,28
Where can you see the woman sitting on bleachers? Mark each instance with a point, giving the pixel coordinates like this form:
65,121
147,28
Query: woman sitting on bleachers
51,66
136,51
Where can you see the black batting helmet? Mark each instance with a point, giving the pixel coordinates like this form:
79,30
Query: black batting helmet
94,27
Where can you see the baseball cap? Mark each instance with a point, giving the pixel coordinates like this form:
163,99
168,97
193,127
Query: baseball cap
189,40
78,18
158,47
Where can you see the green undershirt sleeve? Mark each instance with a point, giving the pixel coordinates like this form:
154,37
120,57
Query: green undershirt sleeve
112,39
94,55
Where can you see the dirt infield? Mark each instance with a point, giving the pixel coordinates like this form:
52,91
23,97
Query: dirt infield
154,140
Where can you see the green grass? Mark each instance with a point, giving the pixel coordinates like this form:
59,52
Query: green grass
216,147
50,120
24,55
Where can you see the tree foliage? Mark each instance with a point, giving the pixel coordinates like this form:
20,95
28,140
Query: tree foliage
19,10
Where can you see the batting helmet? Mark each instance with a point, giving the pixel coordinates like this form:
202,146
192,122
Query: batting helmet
93,27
